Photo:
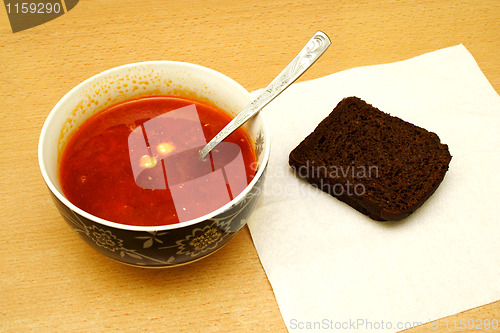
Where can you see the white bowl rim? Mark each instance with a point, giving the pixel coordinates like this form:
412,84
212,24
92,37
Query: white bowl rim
71,206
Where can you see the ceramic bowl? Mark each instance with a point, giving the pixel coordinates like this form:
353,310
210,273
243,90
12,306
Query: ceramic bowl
152,246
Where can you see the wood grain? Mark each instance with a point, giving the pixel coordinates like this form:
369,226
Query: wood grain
50,280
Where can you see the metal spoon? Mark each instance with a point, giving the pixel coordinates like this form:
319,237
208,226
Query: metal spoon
314,48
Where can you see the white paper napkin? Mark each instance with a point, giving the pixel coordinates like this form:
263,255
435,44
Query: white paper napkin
334,269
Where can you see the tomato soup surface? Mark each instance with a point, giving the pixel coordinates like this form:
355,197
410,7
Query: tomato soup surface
137,162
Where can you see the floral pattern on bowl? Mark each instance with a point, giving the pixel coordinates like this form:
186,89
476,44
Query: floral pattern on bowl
164,248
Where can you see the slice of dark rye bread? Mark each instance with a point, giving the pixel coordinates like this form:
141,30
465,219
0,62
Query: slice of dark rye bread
380,165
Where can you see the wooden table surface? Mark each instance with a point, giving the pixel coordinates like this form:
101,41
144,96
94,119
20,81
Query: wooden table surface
49,279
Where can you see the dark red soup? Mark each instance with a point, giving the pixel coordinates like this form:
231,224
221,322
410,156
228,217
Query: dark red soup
138,163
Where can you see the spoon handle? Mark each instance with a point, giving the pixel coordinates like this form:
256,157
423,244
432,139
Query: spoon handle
314,48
